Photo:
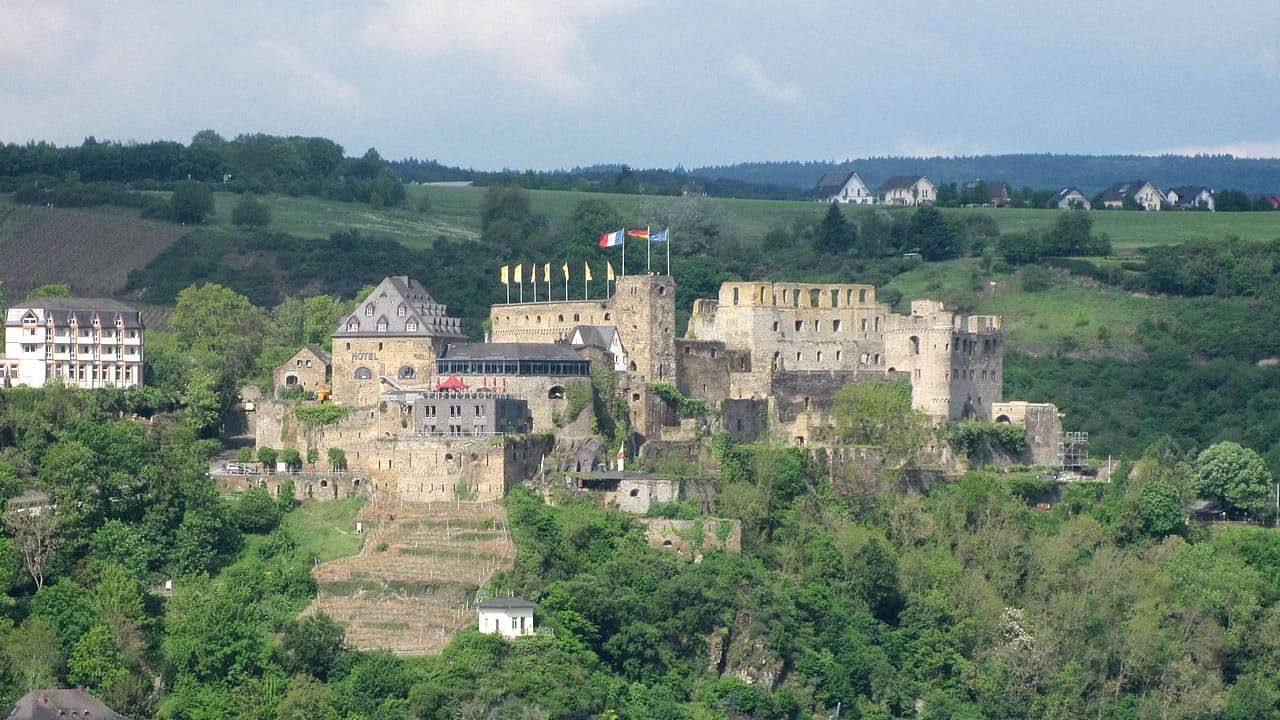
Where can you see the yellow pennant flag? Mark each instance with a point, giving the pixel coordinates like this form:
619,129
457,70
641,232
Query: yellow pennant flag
519,276
608,270
505,278
587,269
546,272
566,271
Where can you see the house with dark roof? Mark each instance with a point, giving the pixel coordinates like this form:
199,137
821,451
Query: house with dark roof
306,370
994,192
85,342
58,705
843,187
908,190
601,337
396,332
1143,193
1070,198
1190,197
510,617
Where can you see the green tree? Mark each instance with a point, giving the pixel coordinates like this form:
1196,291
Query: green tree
1235,476
191,202
307,699
53,290
31,652
880,414
267,456
930,233
221,326
291,457
337,458
1160,508
835,235
312,645
250,212
95,661
256,511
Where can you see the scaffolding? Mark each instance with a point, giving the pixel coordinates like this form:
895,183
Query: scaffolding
1073,450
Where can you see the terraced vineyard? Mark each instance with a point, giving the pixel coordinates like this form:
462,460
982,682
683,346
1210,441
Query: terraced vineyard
92,251
410,588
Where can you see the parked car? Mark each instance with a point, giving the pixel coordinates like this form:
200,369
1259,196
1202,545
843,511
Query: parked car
235,468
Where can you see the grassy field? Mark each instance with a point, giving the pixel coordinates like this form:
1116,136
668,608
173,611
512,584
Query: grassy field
326,530
1071,313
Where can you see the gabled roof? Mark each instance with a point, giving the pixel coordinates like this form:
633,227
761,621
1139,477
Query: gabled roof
899,182
61,311
1121,190
505,603
601,336
429,318
324,356
1187,192
831,184
1067,192
56,704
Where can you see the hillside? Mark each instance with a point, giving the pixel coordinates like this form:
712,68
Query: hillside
93,251
1090,173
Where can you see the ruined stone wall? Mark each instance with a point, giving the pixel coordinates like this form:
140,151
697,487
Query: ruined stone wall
703,369
306,486
636,495
1043,424
689,538
746,421
794,327
416,467
411,361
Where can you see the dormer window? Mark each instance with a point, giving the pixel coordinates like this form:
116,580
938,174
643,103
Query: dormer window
368,310
411,326
402,310
353,325
382,324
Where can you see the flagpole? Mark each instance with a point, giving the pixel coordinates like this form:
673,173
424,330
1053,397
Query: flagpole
535,283
624,252
648,249
668,250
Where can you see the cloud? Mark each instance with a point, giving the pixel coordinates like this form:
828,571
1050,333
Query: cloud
750,70
306,82
32,28
536,40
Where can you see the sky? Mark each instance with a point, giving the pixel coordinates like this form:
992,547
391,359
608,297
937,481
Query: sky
555,84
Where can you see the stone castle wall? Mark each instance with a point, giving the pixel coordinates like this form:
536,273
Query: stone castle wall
410,361
414,467
1043,424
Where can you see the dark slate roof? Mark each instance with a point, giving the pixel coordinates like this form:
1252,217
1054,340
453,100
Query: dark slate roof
328,360
1066,191
53,704
383,304
1187,193
509,351
830,184
505,603
1121,190
62,310
898,182
600,336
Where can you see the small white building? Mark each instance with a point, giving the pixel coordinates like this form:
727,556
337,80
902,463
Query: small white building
843,188
507,616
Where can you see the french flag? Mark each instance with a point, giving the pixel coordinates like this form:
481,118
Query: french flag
613,239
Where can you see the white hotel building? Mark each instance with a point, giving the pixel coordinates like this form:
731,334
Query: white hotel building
88,343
